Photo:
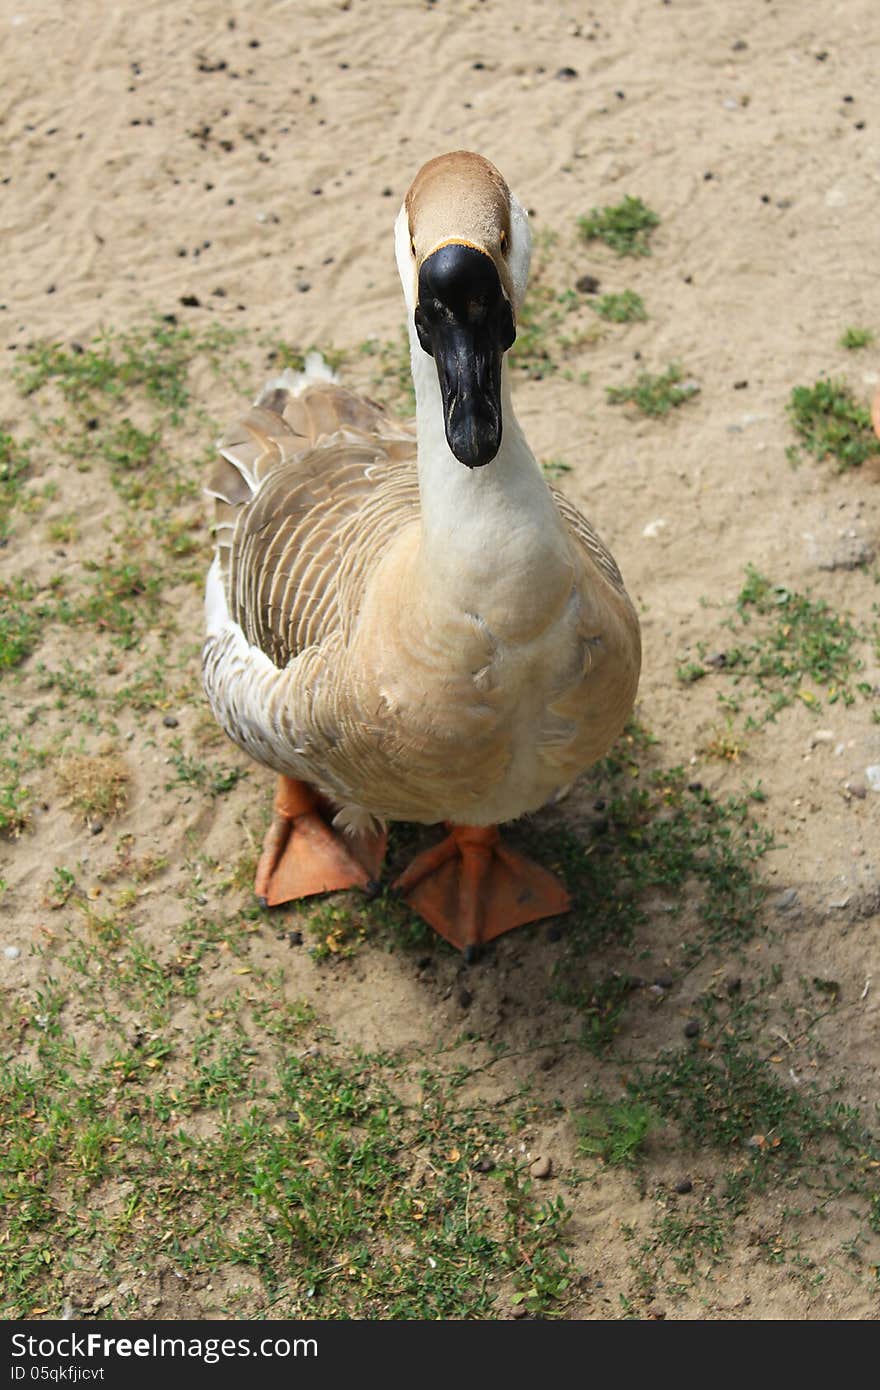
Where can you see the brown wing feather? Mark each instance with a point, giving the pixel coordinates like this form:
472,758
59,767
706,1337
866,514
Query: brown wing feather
308,491
594,546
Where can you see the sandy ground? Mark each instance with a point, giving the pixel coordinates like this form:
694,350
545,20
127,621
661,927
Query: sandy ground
254,159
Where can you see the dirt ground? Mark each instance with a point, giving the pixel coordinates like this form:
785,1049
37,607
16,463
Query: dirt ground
242,167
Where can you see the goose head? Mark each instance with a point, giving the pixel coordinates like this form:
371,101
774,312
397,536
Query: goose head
463,249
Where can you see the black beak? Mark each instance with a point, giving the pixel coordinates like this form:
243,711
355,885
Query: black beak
464,320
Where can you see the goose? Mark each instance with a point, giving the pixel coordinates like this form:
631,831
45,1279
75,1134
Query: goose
404,621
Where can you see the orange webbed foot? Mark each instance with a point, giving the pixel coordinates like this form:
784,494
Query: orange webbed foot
303,855
471,888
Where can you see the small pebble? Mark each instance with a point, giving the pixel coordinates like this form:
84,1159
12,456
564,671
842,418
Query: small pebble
786,899
484,1164
822,736
656,1313
587,284
566,74
96,827
733,985
542,1167
691,1028
11,952
684,1186
519,1310
465,998
857,789
872,777
664,981
294,938
170,721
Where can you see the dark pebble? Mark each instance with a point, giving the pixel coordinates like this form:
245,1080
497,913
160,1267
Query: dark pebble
848,98
484,1164
860,125
587,284
599,803
691,1028
479,67
566,74
684,1186
303,287
294,938
190,301
465,998
695,786
386,193
96,827
665,981
554,933
424,962
170,721
740,385
733,985
740,46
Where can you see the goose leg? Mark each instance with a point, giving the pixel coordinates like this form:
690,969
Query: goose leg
303,854
471,888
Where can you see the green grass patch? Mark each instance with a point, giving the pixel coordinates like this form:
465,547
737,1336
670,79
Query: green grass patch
800,650
14,465
154,360
655,394
626,227
626,307
338,1180
829,421
855,338
614,1130
20,623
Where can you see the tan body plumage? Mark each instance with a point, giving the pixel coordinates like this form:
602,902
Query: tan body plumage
416,639
379,689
